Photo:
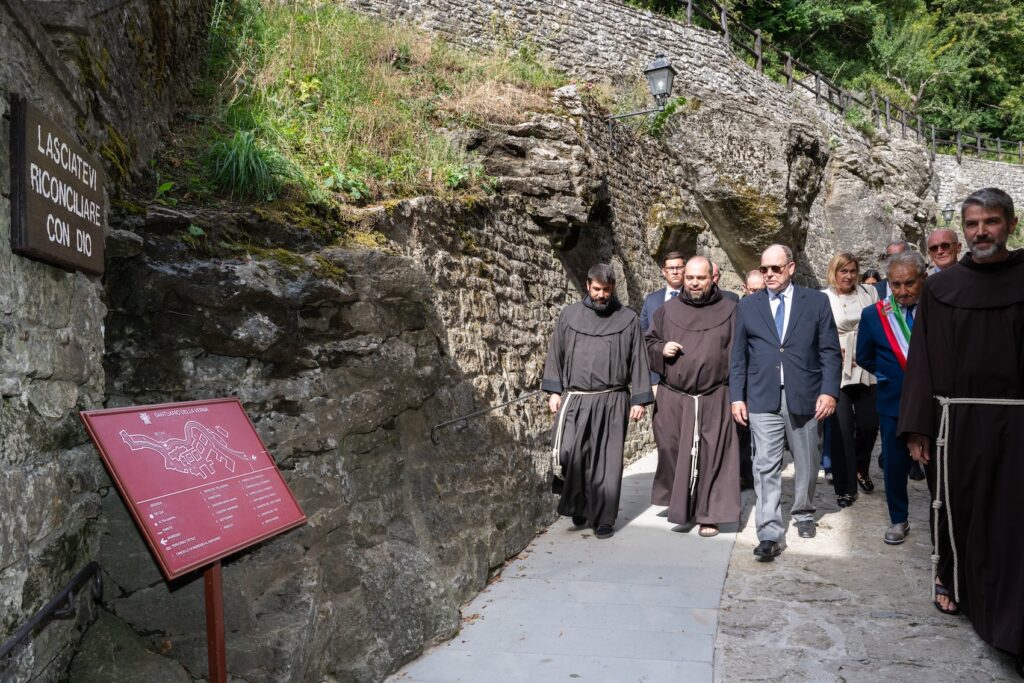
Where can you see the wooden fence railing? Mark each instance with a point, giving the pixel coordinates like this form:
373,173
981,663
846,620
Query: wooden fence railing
879,111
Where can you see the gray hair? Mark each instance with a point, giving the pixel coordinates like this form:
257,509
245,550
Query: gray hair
603,273
951,231
898,243
907,258
783,247
989,198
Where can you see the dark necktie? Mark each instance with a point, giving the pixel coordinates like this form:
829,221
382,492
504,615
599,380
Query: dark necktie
780,316
673,295
910,316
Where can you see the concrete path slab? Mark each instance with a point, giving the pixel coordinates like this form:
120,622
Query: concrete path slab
640,606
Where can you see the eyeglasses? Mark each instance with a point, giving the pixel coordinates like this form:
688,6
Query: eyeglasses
774,269
944,246
674,269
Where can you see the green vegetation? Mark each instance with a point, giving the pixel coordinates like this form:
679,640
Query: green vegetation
309,100
957,63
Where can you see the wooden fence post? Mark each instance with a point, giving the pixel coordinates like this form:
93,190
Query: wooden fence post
959,147
1020,152
888,116
789,71
689,12
977,141
933,142
757,50
903,122
999,149
817,86
724,20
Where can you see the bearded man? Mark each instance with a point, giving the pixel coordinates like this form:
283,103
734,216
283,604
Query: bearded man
962,413
597,375
688,344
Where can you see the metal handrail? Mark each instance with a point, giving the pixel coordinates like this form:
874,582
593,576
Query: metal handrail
62,606
824,89
460,421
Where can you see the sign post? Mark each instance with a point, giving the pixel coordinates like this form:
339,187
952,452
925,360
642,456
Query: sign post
200,485
58,207
216,652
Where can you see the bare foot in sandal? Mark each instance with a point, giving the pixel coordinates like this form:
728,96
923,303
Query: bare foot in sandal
707,530
944,601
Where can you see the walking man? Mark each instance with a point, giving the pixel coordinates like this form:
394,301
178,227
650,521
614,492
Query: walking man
784,379
672,265
688,344
883,340
597,375
962,414
943,249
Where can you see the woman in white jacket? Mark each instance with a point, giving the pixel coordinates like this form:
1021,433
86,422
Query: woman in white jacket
855,423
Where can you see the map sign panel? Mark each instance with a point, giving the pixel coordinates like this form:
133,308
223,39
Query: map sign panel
196,477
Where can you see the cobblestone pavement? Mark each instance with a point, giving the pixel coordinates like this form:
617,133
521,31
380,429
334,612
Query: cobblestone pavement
844,606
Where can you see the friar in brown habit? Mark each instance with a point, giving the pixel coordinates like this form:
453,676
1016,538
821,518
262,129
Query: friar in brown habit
596,374
688,344
968,346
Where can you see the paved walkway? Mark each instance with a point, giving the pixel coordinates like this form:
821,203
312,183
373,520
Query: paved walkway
640,606
649,605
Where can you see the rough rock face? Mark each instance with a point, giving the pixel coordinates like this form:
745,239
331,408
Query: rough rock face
344,359
107,72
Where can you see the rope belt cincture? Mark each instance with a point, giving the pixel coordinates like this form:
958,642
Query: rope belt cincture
566,397
695,444
942,484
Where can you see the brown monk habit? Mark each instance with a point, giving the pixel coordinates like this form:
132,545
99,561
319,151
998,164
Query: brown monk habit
968,342
702,369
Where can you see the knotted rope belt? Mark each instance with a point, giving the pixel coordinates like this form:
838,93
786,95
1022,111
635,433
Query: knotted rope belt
695,444
942,483
566,397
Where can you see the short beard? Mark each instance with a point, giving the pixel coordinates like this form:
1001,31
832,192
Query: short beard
697,299
600,308
993,248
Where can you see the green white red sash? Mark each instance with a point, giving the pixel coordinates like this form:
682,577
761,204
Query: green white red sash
895,327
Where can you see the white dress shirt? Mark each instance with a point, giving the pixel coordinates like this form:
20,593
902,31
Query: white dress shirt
668,292
773,301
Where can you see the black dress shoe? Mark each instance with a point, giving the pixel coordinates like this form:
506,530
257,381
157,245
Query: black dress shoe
916,473
766,551
865,483
807,528
604,531
578,520
845,501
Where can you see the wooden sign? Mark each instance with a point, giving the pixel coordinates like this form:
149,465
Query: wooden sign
58,210
196,477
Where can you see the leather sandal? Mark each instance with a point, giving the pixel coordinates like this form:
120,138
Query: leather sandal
942,590
707,531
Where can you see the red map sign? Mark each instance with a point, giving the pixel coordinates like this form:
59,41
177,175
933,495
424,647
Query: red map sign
197,479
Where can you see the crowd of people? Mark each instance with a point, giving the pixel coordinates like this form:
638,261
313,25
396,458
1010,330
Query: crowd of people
930,357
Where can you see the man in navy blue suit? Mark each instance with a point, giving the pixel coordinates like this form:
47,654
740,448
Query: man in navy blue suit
672,265
883,339
784,379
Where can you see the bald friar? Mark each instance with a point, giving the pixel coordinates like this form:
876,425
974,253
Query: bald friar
689,344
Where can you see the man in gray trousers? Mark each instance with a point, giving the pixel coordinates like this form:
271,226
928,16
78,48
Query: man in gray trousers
784,379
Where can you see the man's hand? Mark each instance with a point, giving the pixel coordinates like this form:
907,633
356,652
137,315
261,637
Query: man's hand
739,412
554,401
636,412
920,447
672,349
824,406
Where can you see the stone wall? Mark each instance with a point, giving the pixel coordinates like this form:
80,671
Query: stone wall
760,163
345,356
108,72
957,180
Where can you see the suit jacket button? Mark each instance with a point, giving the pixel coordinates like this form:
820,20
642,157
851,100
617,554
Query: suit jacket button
781,349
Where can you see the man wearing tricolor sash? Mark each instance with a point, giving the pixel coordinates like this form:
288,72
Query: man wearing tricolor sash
882,349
